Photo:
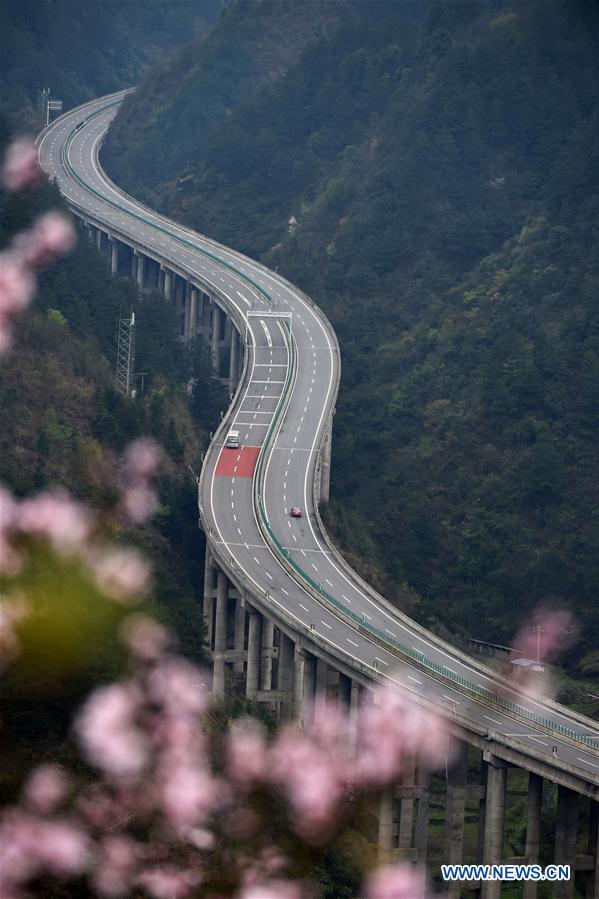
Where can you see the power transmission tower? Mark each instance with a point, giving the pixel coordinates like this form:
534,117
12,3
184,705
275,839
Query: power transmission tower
125,355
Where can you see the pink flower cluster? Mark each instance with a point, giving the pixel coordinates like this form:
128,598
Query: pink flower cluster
315,770
50,237
67,526
162,775
547,635
21,168
142,462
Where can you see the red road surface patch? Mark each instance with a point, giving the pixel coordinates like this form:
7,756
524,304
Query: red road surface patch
244,459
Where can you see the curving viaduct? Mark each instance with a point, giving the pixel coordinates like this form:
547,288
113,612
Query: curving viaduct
286,616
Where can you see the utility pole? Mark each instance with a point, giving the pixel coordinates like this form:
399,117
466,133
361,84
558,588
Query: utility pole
49,105
125,355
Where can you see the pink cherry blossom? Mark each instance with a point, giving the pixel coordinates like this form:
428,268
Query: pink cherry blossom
396,882
54,515
51,237
46,788
138,503
188,793
314,779
143,459
168,882
63,848
18,859
115,865
145,638
17,283
17,288
108,730
21,167
177,685
121,574
274,889
391,728
247,761
546,635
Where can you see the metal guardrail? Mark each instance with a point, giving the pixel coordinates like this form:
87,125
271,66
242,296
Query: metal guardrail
362,624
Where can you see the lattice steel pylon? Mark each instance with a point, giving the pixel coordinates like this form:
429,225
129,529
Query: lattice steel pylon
125,355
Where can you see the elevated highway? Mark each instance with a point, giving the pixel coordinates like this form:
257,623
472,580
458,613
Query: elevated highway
285,613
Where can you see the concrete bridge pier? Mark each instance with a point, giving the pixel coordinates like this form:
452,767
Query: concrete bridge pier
220,635
268,634
99,239
114,256
566,831
193,312
138,268
167,284
252,681
533,830
385,834
216,338
591,862
285,674
405,793
455,807
208,600
422,817
233,361
495,774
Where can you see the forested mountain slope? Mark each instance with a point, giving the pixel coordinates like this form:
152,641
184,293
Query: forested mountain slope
440,162
83,48
63,424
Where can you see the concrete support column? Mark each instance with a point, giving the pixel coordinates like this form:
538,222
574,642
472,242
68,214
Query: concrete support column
325,463
253,668
566,830
299,659
168,285
239,635
99,239
422,816
267,652
592,884
533,830
187,310
320,689
354,707
220,635
406,806
208,599
455,807
233,360
309,689
344,692
494,822
216,332
227,328
385,836
140,273
114,256
193,311
285,679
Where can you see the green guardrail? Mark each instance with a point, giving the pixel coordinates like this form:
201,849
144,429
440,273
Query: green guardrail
360,620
